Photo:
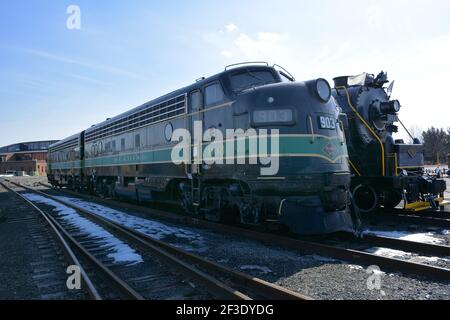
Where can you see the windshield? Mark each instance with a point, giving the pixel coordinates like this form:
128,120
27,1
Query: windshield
248,79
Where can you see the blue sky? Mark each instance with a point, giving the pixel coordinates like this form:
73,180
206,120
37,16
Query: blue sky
55,81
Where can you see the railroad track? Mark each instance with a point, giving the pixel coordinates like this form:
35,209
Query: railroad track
46,259
335,251
436,219
218,280
70,256
438,214
410,246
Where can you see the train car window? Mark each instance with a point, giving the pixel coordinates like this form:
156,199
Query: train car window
122,144
213,94
247,79
195,100
137,141
113,146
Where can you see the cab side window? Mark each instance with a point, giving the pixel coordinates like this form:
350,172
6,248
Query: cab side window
195,99
284,78
214,94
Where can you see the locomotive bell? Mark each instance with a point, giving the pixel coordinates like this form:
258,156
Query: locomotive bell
381,79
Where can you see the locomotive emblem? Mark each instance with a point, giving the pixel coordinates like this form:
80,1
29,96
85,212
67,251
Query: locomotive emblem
330,150
412,152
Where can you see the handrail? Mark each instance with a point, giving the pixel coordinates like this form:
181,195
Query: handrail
244,63
407,131
396,164
368,127
313,138
354,167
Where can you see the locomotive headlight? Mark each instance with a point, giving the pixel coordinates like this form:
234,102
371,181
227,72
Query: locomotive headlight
323,90
396,105
390,107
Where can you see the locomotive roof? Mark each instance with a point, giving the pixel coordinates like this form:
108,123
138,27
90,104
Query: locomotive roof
222,75
60,142
179,92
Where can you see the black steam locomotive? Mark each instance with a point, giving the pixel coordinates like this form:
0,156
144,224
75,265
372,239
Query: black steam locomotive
132,155
385,171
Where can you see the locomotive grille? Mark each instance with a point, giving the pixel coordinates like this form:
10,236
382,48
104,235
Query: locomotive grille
149,115
68,144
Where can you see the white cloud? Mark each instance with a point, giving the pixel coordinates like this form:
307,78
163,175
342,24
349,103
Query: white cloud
266,43
231,27
86,64
420,67
374,17
264,46
226,54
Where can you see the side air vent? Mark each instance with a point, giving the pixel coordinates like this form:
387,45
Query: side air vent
150,115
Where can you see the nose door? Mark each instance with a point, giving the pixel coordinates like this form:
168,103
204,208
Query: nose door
195,110
193,169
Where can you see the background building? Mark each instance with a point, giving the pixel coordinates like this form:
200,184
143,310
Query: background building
27,157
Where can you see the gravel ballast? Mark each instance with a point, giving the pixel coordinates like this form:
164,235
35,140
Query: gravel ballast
315,276
31,263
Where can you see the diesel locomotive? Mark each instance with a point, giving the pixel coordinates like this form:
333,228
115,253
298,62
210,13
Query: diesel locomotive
131,155
386,171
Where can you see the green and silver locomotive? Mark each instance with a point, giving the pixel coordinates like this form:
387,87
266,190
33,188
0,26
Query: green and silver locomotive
284,162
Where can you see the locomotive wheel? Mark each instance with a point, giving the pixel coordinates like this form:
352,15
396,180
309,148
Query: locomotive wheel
366,198
391,198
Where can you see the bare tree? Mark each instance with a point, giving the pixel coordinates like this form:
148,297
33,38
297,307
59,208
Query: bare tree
417,132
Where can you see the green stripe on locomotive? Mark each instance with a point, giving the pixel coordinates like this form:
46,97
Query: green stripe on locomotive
329,149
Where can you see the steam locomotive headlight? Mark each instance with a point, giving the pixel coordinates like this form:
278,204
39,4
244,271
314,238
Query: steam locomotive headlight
323,90
396,105
390,107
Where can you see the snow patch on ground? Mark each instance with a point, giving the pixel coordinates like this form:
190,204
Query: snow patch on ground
428,237
260,269
398,254
120,252
355,267
390,253
187,239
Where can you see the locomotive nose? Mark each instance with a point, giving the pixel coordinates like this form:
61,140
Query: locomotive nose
289,105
